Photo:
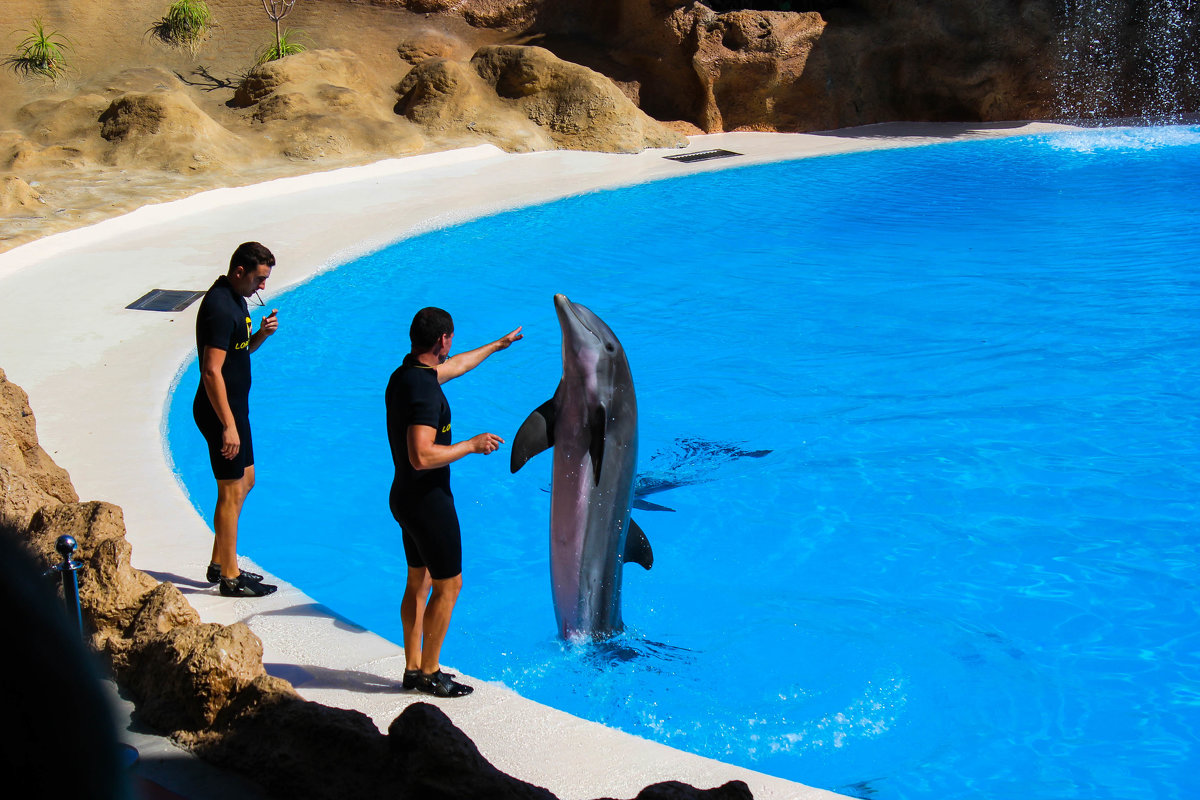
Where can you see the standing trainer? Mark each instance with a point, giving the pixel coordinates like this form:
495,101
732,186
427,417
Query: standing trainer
222,405
418,427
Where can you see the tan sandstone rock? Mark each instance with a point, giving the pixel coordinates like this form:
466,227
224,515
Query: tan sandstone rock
483,13
17,196
29,478
431,43
166,127
525,98
111,590
858,62
751,66
163,610
452,103
184,678
323,103
580,108
51,121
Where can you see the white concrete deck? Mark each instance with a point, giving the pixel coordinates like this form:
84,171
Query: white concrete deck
98,378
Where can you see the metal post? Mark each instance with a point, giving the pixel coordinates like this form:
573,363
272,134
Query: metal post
66,546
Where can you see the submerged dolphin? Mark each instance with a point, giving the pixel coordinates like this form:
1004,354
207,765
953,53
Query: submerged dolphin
591,422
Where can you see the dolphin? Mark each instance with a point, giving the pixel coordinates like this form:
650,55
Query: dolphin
591,422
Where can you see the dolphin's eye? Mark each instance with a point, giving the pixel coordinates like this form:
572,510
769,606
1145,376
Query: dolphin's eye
609,347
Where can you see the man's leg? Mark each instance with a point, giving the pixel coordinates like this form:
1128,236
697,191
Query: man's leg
437,621
412,614
231,495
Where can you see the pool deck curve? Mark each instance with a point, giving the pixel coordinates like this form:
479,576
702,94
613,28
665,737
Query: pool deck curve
99,377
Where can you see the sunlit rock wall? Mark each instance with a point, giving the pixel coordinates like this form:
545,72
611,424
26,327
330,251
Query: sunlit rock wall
832,63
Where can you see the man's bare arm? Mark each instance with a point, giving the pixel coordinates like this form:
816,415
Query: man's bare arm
214,387
423,453
465,362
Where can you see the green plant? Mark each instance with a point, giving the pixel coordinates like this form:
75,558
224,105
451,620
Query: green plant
186,23
285,41
286,44
40,53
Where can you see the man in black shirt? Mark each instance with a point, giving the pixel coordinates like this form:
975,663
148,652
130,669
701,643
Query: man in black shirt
418,426
221,407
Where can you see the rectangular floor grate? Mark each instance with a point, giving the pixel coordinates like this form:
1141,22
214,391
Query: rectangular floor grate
165,300
701,155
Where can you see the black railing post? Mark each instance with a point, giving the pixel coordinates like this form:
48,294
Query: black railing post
66,546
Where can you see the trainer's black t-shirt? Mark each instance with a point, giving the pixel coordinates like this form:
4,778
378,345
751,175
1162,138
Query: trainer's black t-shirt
223,322
414,397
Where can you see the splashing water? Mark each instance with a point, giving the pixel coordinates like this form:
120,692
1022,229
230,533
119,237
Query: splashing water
1129,59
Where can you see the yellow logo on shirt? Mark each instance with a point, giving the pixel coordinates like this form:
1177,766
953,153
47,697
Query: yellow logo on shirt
245,344
446,429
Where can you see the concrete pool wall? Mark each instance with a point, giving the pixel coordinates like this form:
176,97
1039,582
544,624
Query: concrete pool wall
99,376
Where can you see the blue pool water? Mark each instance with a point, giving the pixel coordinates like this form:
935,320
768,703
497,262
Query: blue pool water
967,566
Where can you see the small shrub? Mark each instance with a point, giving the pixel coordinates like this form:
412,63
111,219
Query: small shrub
40,53
186,24
286,44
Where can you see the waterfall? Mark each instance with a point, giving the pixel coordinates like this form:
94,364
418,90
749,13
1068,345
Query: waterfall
1129,59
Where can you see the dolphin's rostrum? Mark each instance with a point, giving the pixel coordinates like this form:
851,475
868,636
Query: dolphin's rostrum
591,422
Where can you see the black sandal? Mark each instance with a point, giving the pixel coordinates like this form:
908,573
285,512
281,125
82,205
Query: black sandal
243,586
214,574
440,684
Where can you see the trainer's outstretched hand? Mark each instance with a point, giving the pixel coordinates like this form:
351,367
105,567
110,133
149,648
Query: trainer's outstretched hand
504,341
486,443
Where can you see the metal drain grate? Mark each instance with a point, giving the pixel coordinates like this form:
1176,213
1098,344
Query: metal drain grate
165,300
702,155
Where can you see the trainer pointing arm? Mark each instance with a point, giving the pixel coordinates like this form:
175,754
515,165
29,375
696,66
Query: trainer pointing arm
465,362
423,451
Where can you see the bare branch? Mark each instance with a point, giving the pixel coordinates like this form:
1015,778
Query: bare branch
278,9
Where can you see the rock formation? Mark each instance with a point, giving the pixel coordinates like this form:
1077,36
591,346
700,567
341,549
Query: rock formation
833,64
201,683
322,103
524,98
29,478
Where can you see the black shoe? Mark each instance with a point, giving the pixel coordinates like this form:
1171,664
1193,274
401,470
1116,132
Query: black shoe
242,586
440,684
411,676
214,574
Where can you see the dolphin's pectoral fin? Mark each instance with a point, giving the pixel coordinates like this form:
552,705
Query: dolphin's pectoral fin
637,547
535,434
599,427
645,505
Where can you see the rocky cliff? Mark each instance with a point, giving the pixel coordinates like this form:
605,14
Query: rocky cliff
748,65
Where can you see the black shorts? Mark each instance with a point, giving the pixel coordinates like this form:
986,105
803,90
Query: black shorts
224,469
431,535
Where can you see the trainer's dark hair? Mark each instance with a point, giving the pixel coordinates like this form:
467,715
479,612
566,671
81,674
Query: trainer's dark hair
250,256
427,327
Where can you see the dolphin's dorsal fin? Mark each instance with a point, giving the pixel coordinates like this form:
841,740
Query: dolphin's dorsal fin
535,434
599,428
637,547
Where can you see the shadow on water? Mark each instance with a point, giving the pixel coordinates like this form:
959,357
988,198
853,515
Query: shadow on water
686,462
860,789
